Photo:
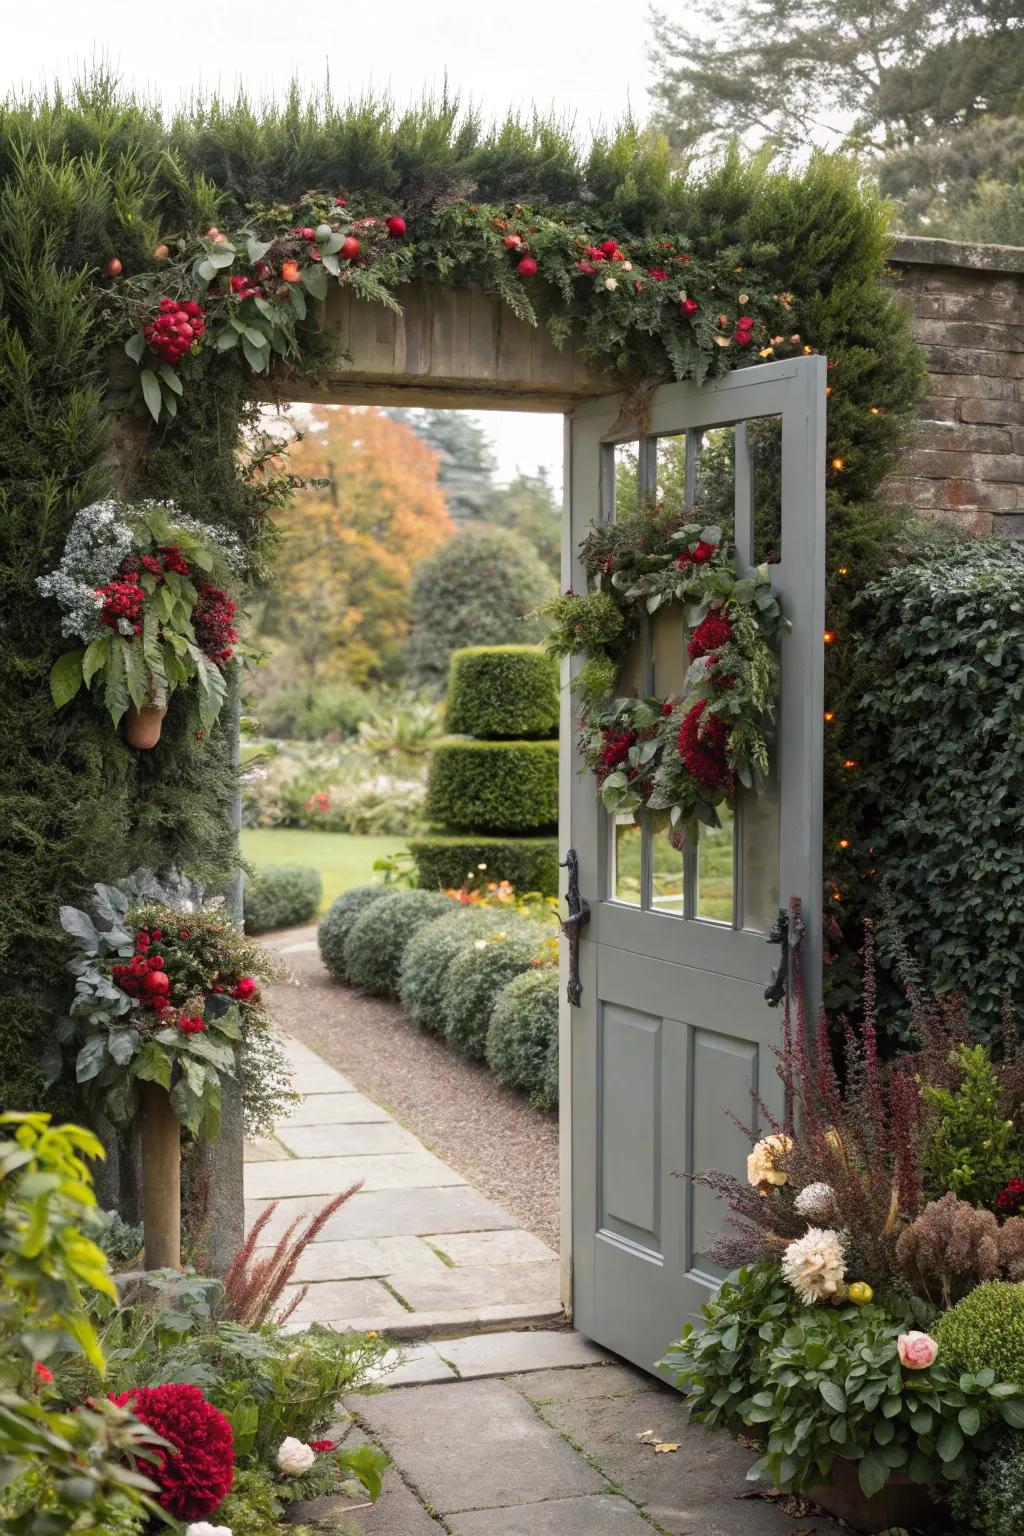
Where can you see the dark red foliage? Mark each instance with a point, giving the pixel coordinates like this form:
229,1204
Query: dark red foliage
702,747
213,621
197,1475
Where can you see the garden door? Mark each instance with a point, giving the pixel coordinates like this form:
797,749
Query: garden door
672,1031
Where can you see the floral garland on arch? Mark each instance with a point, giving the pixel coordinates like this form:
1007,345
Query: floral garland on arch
682,754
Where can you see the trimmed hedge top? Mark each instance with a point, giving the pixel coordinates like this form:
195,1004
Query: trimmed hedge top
503,691
494,786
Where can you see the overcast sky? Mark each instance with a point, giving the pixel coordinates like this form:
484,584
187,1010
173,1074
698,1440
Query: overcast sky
587,61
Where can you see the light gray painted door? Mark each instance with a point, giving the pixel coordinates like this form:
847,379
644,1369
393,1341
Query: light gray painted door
673,1030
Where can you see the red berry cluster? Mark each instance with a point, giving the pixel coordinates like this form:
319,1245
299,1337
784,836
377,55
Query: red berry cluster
212,618
123,598
710,635
245,288
191,1023
145,976
699,555
608,250
743,335
702,747
175,330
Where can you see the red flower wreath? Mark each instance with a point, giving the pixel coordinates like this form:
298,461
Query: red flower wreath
702,747
197,1475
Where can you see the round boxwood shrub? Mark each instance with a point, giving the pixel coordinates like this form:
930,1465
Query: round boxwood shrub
527,863
494,786
429,953
522,1032
281,896
377,939
338,920
985,1330
500,691
475,980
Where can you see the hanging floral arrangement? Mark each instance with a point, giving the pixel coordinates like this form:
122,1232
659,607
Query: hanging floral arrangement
169,991
147,592
684,754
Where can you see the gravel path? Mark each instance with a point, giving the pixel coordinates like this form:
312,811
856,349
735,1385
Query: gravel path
486,1132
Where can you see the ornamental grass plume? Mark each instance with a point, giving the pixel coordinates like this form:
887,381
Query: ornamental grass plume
253,1287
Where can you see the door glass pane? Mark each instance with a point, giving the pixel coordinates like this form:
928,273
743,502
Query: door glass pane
716,497
764,439
759,855
626,860
627,479
666,870
670,470
716,869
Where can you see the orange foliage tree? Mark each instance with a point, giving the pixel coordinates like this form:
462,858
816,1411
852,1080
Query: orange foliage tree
371,509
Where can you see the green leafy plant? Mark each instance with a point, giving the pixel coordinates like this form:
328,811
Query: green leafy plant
378,939
826,1383
526,863
428,956
992,1501
985,1331
336,924
281,896
497,691
474,980
494,786
970,1143
522,1037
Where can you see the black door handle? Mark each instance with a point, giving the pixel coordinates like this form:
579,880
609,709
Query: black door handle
577,915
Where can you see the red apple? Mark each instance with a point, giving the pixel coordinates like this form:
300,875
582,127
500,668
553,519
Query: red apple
113,267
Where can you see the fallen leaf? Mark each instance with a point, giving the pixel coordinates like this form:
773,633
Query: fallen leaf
646,1434
667,1445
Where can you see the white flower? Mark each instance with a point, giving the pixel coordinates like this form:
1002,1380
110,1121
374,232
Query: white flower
627,266
295,1456
815,1264
816,1202
763,1162
610,283
204,1528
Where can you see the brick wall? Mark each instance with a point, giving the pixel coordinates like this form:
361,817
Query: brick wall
967,304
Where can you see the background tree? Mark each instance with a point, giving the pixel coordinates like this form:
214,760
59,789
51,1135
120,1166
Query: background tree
465,458
350,539
932,94
528,506
475,590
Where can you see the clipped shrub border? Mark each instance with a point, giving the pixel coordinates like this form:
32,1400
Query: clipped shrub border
378,938
338,920
429,953
494,786
522,1037
474,982
527,863
281,896
499,691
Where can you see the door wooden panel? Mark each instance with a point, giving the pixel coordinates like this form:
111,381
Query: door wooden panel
673,1035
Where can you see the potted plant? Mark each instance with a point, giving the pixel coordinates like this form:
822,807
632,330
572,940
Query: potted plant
147,592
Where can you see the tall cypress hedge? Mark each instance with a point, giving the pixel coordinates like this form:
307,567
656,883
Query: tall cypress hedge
94,174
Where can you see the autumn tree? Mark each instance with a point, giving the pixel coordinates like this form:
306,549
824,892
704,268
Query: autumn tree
367,510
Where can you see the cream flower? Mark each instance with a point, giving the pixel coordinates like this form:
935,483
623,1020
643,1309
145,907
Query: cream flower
816,1201
204,1528
762,1164
295,1456
815,1264
917,1351
610,283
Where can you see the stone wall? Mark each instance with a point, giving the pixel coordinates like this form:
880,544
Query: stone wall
967,304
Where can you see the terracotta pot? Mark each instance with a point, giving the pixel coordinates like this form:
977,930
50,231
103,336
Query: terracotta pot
900,1503
142,726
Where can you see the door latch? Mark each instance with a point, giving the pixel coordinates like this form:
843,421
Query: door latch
577,915
786,930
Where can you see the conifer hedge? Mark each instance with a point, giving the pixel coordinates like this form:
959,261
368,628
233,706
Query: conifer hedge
94,174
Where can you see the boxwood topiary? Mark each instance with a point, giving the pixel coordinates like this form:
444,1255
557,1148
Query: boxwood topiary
494,786
377,939
475,980
338,920
523,1035
281,896
429,953
498,691
527,863
985,1331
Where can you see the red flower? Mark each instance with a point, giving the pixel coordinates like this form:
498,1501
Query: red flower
123,598
616,747
1010,1201
710,635
658,273
42,1372
688,307
174,560
702,747
586,266
157,935
198,1473
322,1447
212,620
698,556
244,988
192,1024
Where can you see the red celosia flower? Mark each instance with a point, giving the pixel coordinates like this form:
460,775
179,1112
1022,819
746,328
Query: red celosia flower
616,747
174,560
198,1473
191,1024
122,599
698,556
710,635
702,747
212,620
42,1372
322,1447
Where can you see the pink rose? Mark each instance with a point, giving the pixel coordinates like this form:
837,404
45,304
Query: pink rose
917,1351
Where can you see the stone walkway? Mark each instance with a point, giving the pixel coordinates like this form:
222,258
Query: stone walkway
417,1252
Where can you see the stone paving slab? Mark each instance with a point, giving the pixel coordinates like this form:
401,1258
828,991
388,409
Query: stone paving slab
418,1364
475,1445
328,1175
603,1514
391,1213
311,1075
363,1258
504,1354
334,1109
264,1149
358,1140
480,1286
516,1247
350,1302
398,1512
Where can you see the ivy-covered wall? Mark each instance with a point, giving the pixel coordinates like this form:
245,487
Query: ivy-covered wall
96,176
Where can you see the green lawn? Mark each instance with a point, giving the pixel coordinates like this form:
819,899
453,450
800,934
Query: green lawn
343,861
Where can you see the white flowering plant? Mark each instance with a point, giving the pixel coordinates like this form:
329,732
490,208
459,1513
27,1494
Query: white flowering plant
146,590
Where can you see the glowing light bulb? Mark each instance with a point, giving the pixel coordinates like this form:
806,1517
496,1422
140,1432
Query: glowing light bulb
829,636
844,842
844,570
829,716
851,762
838,464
